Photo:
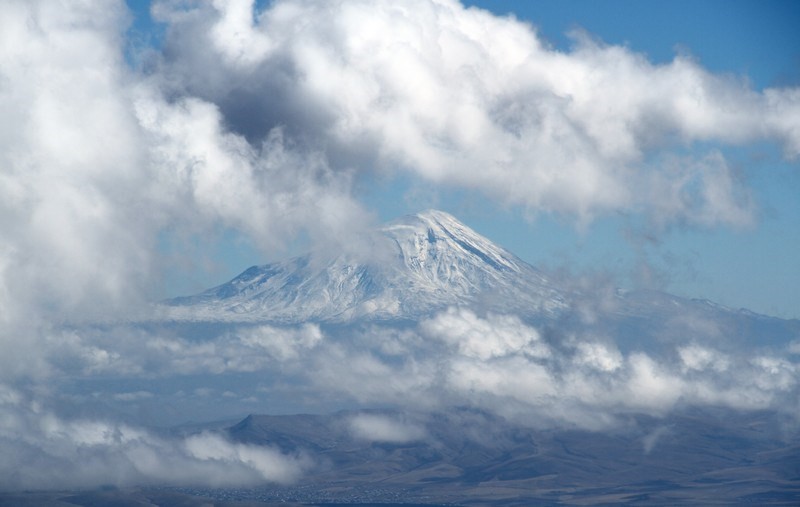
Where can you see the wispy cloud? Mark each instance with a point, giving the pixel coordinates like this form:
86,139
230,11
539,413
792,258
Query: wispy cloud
382,428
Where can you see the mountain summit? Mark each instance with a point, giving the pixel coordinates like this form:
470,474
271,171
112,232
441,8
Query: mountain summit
406,269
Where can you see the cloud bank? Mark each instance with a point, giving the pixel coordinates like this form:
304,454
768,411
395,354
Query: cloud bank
42,450
463,98
584,380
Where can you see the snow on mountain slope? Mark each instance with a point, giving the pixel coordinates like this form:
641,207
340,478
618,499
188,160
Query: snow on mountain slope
413,266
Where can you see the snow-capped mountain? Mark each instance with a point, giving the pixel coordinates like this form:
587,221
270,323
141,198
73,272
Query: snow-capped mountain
406,269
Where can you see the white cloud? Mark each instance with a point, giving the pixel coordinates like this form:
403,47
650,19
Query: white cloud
283,344
774,373
598,356
650,385
460,359
365,376
98,164
514,377
464,98
495,336
380,428
76,243
242,349
70,159
271,465
43,450
696,357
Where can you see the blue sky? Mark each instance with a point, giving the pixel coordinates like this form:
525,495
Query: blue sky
753,266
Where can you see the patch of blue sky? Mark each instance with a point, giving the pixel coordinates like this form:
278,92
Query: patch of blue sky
143,34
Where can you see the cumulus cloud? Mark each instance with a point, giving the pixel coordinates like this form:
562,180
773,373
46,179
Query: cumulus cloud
464,98
598,356
495,336
696,357
74,239
457,358
282,343
99,164
266,190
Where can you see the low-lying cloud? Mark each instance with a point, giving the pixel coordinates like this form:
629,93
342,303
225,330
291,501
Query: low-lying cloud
578,380
581,378
460,358
381,428
42,450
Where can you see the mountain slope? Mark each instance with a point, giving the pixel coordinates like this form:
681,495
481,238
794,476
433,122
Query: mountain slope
420,264
691,457
410,268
